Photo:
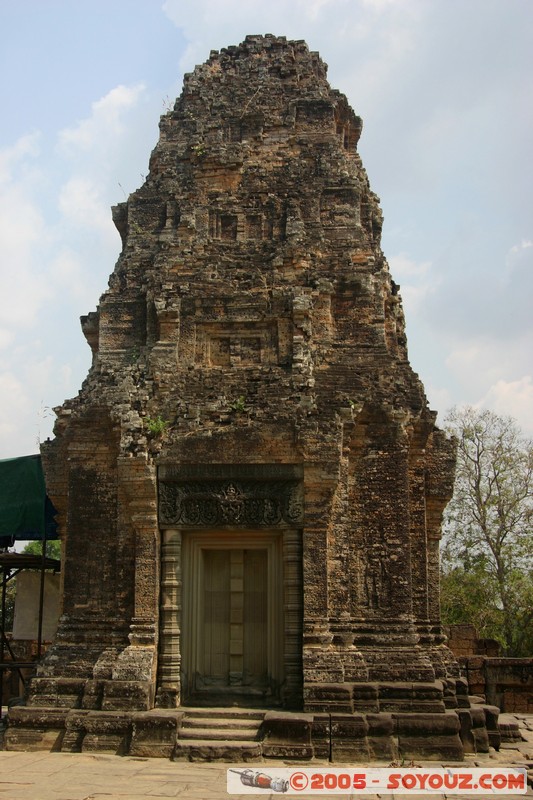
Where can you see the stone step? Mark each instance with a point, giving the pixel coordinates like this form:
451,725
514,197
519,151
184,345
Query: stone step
220,722
217,734
232,712
209,750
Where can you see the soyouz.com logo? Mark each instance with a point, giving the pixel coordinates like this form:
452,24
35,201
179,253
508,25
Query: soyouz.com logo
355,781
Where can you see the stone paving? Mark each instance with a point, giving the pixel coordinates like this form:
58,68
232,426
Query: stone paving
68,776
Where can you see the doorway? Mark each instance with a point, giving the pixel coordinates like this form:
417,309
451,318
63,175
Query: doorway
232,618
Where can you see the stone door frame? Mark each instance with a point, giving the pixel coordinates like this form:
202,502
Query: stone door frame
212,504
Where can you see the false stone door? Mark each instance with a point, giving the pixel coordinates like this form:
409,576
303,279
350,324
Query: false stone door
233,631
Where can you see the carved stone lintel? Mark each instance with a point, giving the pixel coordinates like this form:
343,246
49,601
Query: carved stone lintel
217,503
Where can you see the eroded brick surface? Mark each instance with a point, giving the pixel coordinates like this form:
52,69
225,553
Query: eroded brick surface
252,337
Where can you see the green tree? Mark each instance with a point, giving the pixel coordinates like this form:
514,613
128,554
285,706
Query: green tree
487,553
53,548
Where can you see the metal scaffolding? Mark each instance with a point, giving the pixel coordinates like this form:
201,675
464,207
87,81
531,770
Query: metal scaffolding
11,564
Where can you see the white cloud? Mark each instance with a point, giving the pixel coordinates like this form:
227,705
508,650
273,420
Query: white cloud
314,8
105,124
22,234
415,279
491,374
66,271
475,363
14,405
447,126
81,203
512,398
99,153
519,259
406,267
519,248
11,157
6,338
57,248
337,24
439,399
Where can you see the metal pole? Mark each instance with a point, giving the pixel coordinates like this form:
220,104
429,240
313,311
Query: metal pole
41,595
2,625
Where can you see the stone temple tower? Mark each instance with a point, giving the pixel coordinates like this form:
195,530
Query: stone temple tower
250,483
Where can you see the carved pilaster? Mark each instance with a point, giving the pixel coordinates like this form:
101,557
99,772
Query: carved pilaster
168,693
293,609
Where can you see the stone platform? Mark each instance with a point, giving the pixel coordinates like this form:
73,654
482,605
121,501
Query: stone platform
89,776
234,734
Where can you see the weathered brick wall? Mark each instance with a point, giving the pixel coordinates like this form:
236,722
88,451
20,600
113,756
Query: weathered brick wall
252,313
462,639
503,682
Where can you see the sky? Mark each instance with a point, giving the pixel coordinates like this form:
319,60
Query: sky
444,88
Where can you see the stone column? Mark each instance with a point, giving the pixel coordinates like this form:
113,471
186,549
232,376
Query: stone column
169,683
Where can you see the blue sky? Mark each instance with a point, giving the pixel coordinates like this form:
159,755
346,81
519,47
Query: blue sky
445,91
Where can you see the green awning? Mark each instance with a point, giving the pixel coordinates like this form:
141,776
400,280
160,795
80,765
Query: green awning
25,510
